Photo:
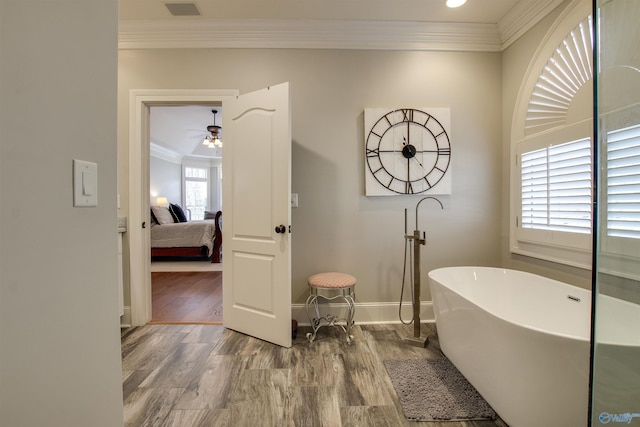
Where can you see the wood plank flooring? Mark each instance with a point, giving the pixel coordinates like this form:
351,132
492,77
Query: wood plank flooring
206,375
186,297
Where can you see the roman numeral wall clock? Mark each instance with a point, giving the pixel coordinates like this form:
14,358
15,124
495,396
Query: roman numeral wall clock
407,151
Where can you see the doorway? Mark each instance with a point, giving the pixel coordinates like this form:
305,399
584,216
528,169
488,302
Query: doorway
141,102
184,289
259,123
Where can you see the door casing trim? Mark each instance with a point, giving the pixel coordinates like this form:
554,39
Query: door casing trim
140,101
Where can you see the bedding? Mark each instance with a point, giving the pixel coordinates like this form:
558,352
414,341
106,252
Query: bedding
177,213
183,234
199,238
161,215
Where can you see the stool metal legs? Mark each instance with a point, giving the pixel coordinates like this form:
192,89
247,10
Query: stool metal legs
346,294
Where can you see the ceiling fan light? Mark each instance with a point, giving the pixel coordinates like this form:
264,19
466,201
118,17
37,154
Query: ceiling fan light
213,141
455,3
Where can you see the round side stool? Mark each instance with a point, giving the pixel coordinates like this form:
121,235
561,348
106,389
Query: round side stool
331,286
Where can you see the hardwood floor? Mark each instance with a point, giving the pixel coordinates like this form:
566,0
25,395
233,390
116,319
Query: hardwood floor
206,375
186,297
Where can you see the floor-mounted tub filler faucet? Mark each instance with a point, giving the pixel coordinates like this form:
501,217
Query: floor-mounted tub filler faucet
414,263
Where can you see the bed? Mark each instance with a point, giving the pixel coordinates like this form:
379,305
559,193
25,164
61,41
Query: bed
174,236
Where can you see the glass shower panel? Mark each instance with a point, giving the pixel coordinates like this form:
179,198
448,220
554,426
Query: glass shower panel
615,393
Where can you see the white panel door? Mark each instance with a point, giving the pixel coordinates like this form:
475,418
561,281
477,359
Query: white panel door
256,184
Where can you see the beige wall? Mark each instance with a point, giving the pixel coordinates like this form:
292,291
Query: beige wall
59,327
515,62
336,227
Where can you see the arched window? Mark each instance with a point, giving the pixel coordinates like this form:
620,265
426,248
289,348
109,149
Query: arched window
551,146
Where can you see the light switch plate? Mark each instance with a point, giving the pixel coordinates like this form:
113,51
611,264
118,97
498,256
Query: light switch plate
85,183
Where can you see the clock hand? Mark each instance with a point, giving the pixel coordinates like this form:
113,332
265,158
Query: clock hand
405,143
421,165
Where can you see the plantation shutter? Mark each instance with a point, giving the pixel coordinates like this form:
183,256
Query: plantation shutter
556,187
623,183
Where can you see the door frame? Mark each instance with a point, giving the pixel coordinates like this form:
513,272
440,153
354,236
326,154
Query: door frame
140,102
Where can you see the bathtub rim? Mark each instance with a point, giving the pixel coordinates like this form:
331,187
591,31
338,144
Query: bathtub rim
586,338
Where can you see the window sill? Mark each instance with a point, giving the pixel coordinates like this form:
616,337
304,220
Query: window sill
579,258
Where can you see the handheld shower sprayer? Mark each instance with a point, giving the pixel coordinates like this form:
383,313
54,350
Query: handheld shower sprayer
414,265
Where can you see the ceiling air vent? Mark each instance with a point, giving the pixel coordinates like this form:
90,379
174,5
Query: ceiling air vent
183,9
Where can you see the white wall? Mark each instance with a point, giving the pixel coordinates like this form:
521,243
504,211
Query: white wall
59,325
165,179
336,227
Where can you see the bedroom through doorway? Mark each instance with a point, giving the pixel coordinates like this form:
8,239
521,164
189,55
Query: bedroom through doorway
184,290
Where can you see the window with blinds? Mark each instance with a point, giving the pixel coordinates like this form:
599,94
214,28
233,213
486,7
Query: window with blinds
196,189
556,187
551,197
623,183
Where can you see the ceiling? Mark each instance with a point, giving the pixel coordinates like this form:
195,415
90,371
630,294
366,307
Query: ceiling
479,25
178,131
477,11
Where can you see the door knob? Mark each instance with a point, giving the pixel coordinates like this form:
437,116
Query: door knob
280,229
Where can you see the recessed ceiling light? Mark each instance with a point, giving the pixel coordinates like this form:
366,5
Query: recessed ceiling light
455,3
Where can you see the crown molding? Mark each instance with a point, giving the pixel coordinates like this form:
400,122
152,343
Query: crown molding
522,18
330,34
309,34
164,153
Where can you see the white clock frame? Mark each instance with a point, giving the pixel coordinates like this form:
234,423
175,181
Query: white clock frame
387,171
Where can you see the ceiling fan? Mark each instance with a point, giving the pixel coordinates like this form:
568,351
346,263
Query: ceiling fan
213,140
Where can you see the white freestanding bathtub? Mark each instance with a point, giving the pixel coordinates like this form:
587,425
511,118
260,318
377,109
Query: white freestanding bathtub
521,340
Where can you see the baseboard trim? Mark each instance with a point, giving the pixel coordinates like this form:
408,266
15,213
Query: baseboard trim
365,313
125,319
369,313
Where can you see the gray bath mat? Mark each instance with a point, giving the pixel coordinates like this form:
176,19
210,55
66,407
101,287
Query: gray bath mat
434,390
